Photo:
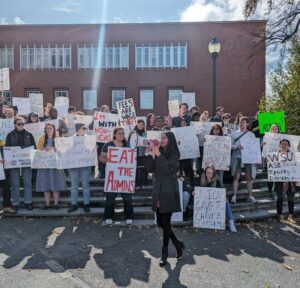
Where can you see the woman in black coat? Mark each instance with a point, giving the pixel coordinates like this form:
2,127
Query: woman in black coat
166,199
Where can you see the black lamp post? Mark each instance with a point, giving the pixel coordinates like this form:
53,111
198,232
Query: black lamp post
214,48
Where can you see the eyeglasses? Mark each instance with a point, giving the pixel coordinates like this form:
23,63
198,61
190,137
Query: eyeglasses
20,124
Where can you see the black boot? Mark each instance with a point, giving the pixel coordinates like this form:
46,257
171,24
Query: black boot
164,256
179,248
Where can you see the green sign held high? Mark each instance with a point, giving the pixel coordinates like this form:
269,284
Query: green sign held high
266,119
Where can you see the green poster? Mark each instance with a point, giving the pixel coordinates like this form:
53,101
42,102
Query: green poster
266,119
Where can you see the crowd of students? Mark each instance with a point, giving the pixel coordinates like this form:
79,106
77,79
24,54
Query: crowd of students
163,162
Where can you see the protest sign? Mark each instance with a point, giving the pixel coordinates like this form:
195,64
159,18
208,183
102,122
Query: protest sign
36,129
209,208
173,108
251,153
217,152
266,119
23,105
6,126
202,129
283,167
76,151
42,159
229,128
4,79
104,125
126,112
178,216
120,170
2,173
16,157
37,103
187,142
154,135
72,119
62,105
189,98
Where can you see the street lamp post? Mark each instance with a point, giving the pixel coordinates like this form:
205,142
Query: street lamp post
214,48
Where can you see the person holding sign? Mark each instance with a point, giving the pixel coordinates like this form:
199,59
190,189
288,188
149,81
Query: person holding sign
165,197
183,114
33,117
49,179
22,138
236,159
218,116
118,141
62,127
47,110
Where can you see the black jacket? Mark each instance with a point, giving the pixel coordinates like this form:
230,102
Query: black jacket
23,139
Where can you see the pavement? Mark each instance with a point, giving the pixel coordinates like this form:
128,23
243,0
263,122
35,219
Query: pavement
70,252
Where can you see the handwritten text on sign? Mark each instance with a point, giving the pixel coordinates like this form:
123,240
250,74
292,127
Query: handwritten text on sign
209,207
217,152
251,153
104,125
16,157
6,126
283,167
126,112
42,159
120,170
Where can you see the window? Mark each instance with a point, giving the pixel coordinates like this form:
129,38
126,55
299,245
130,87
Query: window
175,95
117,95
146,98
7,98
173,56
61,93
7,57
89,99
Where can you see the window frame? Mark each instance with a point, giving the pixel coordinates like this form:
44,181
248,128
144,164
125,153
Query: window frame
111,93
83,98
140,97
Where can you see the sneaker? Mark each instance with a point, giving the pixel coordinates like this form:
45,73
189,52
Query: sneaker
128,221
29,206
45,207
251,199
108,221
233,199
86,208
9,210
290,219
72,208
232,226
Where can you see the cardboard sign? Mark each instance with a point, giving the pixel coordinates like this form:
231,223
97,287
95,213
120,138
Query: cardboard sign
187,142
154,135
2,173
209,208
42,159
16,157
23,105
4,79
36,129
267,119
178,216
173,108
126,112
37,103
6,126
251,153
120,170
202,129
76,151
217,152
189,98
62,105
104,125
283,167
229,128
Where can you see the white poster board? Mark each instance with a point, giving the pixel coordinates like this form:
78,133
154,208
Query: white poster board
126,112
42,159
104,125
2,173
187,142
76,151
217,152
36,129
209,208
61,104
229,128
120,170
37,103
16,157
189,98
4,79
178,216
202,129
173,106
6,126
154,135
23,105
283,167
251,153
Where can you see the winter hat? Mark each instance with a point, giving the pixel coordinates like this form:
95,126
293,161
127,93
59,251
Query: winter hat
78,126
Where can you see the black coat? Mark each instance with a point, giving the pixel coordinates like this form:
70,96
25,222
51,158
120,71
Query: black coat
166,188
23,139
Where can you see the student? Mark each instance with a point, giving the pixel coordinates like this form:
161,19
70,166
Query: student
77,174
32,118
159,123
209,178
196,117
62,127
203,117
22,138
47,110
236,161
254,127
183,114
165,197
226,118
150,122
193,110
72,110
9,113
118,141
168,123
288,188
238,117
218,116
49,180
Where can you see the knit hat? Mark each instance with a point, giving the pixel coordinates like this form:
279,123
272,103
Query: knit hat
78,126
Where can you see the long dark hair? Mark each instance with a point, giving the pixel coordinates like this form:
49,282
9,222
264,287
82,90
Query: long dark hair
116,130
46,136
219,127
171,147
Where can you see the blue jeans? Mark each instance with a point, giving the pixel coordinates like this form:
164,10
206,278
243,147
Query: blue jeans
15,185
220,174
229,215
76,174
110,205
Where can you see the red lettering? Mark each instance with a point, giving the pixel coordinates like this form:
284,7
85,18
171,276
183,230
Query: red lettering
112,154
109,182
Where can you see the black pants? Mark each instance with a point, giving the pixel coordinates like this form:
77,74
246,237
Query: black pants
289,195
186,166
6,193
141,178
101,166
164,221
270,186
